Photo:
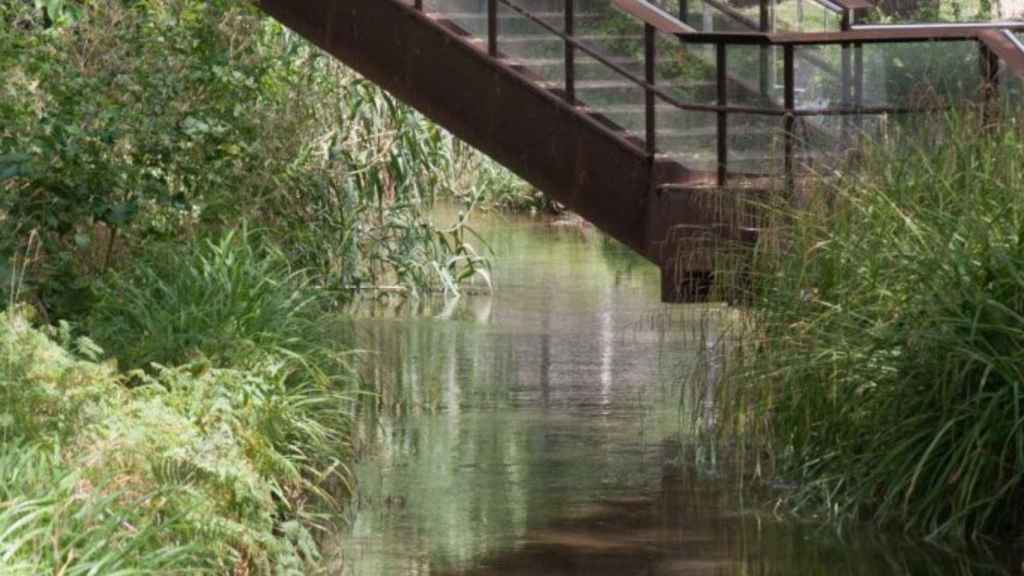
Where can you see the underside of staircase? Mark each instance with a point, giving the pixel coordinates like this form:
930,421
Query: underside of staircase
633,113
571,153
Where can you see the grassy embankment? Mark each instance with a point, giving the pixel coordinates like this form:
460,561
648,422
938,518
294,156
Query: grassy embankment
880,365
221,459
187,194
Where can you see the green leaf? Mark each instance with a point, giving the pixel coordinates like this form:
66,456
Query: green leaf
120,214
13,165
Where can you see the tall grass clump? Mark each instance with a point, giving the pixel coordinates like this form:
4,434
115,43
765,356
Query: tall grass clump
222,298
881,362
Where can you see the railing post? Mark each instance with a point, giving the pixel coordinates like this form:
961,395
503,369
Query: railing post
858,88
684,11
492,27
989,67
418,4
723,116
570,51
845,81
790,120
650,54
764,26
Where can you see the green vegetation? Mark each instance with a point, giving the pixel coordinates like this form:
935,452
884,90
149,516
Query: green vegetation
198,190
880,366
219,299
221,459
127,124
194,469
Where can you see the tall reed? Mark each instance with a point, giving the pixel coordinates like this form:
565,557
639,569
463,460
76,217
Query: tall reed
880,365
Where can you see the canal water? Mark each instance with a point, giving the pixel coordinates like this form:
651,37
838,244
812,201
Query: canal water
542,430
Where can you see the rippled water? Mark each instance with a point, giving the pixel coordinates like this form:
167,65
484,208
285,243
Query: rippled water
538,431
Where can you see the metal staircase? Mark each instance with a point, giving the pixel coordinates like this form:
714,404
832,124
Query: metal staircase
656,120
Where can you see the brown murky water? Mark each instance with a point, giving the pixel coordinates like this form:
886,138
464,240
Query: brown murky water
541,433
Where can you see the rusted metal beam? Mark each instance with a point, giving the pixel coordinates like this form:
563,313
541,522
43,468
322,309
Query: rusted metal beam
488,103
570,51
661,20
869,36
650,73
854,4
664,22
492,27
1005,48
722,135
789,80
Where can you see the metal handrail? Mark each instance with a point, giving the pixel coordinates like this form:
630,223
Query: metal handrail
633,78
993,39
1003,24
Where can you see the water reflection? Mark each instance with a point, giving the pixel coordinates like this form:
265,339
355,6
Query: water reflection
537,431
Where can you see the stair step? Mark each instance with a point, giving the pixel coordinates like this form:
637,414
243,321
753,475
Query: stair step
552,38
603,93
508,16
614,84
740,161
553,68
510,24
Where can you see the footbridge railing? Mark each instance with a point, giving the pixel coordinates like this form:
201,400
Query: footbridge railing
737,90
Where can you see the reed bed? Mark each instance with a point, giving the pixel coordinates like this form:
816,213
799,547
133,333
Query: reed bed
879,365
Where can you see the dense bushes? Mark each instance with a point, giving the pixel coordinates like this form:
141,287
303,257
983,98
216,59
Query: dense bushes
881,364
133,122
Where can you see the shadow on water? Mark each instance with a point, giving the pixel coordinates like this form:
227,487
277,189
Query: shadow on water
541,431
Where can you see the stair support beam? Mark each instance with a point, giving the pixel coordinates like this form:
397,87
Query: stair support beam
650,73
492,28
501,110
570,51
490,104
789,98
722,84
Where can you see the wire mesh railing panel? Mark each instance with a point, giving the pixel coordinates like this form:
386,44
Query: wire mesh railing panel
823,77
1011,88
803,16
756,144
613,99
686,72
915,75
944,11
716,16
753,75
529,43
753,103
470,15
690,138
822,145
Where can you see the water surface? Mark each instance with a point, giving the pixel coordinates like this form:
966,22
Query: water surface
540,431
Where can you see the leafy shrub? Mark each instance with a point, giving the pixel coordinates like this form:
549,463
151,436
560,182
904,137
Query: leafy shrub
127,123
